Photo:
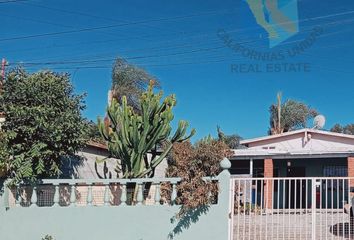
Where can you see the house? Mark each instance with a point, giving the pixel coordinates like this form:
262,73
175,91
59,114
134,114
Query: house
301,153
279,168
87,165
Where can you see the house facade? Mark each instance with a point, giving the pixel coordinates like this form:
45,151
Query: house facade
89,164
280,167
301,153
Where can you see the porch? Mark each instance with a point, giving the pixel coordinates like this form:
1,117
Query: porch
273,208
292,166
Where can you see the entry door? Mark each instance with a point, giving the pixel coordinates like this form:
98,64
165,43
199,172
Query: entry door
297,188
296,172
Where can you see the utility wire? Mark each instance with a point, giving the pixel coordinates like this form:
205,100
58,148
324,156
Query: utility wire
162,55
111,40
35,20
142,22
224,58
88,29
86,15
13,1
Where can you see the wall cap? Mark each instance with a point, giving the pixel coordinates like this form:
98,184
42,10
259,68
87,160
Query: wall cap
225,164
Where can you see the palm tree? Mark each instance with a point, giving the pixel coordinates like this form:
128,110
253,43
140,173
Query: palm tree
130,81
288,116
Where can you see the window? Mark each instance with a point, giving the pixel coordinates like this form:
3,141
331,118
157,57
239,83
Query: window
335,171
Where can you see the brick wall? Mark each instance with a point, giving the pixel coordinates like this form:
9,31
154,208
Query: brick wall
268,167
268,173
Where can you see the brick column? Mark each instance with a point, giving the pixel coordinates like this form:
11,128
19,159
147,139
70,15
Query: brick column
351,171
268,193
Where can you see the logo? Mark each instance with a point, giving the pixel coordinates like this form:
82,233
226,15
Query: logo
279,18
275,52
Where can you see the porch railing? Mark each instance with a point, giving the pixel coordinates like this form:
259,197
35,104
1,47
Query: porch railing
293,208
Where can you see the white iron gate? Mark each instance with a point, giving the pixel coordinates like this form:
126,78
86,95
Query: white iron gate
292,208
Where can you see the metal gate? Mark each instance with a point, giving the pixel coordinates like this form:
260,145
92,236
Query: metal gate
292,208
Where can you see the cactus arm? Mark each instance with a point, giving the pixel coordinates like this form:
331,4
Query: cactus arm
101,128
112,112
98,160
188,137
125,122
181,130
160,158
155,162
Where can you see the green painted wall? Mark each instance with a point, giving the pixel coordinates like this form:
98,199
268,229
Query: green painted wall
118,222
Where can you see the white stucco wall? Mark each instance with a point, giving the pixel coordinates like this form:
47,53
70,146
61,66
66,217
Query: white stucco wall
87,168
303,142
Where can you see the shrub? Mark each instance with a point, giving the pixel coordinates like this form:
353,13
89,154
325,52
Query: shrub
43,123
192,163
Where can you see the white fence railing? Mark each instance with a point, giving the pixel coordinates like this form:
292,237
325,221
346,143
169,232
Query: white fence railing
292,208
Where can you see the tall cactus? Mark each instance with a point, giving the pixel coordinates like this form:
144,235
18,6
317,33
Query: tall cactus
132,135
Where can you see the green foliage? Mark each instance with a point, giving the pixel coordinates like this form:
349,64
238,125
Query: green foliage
132,134
130,81
337,128
43,123
347,129
232,141
94,133
288,116
4,154
47,237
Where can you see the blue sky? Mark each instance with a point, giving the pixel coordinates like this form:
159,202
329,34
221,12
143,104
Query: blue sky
177,42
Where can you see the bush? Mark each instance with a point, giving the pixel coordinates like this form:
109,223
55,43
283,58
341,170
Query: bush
192,163
47,237
43,123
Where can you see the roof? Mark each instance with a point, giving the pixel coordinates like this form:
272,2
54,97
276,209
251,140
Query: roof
304,143
308,130
97,145
281,154
103,146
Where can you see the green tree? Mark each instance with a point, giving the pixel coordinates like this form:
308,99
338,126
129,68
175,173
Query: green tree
94,133
347,129
288,116
232,141
133,134
337,128
4,154
43,123
130,81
